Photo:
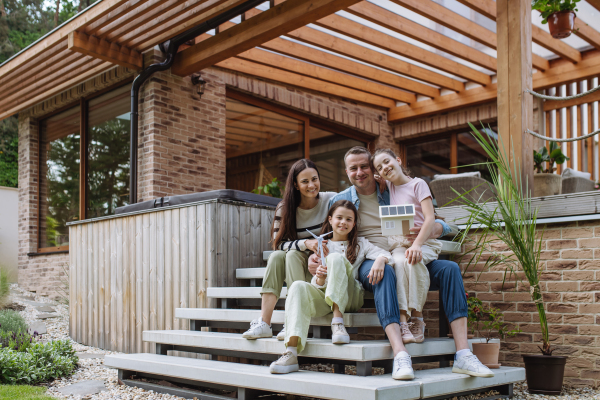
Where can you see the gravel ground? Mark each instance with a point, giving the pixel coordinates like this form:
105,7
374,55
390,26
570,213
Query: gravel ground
94,369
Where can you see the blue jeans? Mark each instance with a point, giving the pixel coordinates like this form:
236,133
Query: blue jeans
445,276
386,298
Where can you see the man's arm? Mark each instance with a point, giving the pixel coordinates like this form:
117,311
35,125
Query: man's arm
440,229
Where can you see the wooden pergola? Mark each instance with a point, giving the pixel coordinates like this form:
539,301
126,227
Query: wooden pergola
345,48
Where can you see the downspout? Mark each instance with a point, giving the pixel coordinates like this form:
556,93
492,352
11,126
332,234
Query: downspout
171,49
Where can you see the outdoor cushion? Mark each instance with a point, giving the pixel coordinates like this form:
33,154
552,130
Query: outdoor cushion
571,173
453,176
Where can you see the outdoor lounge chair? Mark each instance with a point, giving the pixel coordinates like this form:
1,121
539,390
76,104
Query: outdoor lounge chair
443,193
576,184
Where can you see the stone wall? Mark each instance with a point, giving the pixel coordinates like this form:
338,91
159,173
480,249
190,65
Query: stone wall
571,290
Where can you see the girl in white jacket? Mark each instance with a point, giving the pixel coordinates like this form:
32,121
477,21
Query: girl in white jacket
335,288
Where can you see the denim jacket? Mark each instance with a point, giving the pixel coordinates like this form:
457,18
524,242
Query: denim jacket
384,200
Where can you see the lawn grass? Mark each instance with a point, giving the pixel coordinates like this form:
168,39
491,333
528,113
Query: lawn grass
23,392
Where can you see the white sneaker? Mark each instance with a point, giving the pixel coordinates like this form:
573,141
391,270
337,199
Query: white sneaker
403,367
287,363
339,335
281,334
258,329
471,365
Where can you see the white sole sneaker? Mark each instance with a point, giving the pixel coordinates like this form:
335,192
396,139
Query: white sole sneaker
404,376
281,337
253,337
283,369
340,339
471,373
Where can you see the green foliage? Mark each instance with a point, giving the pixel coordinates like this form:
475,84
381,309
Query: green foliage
11,321
549,7
555,156
510,221
9,154
4,287
17,341
274,189
487,320
41,362
23,392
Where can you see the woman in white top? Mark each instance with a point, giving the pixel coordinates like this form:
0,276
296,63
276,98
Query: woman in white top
303,209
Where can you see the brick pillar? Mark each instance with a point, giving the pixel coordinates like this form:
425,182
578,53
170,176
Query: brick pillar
182,136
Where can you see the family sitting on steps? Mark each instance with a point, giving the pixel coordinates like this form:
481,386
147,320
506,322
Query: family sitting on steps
399,270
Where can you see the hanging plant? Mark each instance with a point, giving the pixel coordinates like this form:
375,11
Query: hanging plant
558,14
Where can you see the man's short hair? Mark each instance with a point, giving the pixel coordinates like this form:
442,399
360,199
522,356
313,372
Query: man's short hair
358,150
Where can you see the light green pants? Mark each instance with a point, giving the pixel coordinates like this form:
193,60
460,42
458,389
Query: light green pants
305,301
283,266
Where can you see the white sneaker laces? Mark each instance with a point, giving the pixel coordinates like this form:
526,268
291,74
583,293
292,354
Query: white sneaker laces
338,329
474,361
403,362
285,356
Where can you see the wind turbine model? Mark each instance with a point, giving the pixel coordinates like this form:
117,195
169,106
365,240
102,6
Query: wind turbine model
320,243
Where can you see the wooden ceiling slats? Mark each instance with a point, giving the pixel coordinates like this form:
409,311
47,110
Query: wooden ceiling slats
42,58
104,50
460,24
303,68
358,52
180,24
594,3
406,27
276,21
587,33
374,37
290,78
245,132
273,129
127,7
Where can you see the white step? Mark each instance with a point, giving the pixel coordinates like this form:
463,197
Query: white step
427,383
448,247
367,350
248,293
250,273
238,315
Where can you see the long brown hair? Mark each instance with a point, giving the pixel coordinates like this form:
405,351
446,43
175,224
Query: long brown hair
289,204
390,153
353,246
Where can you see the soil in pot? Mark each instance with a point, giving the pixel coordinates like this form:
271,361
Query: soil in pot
546,185
544,373
561,24
487,353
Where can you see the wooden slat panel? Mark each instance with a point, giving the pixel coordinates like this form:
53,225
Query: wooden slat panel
119,282
80,280
105,50
124,276
183,259
102,329
132,283
73,286
146,273
154,305
211,238
139,288
233,243
587,33
113,284
168,245
177,324
192,257
95,283
160,270
201,254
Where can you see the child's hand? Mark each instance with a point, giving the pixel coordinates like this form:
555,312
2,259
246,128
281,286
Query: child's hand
413,254
322,271
376,274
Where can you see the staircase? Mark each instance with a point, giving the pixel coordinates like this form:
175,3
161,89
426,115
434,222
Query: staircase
210,377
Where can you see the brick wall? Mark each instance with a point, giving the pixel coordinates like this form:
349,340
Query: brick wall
571,290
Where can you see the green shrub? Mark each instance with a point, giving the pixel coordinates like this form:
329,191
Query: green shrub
11,321
40,363
17,341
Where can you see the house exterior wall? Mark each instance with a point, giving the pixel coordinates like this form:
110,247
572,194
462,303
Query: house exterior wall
9,226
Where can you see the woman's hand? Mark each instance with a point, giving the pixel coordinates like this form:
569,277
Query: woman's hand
377,270
413,254
313,245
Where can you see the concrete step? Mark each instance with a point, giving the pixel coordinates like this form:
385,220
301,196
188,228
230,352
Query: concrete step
448,247
427,384
248,293
245,316
367,350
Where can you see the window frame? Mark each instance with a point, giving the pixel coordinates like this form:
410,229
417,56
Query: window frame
83,159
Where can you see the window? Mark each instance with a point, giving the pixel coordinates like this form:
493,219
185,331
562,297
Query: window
263,141
426,159
104,159
469,152
59,177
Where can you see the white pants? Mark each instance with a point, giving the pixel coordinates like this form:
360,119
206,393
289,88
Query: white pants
412,280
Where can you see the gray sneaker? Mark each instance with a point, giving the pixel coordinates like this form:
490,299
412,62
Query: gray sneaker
281,334
339,335
287,363
471,365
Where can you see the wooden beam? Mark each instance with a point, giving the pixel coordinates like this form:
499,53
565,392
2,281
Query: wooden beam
460,24
555,105
394,22
594,3
352,50
515,107
561,73
285,17
104,50
304,68
587,33
293,79
374,37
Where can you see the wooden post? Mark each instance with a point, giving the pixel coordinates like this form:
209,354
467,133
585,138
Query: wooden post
515,106
454,153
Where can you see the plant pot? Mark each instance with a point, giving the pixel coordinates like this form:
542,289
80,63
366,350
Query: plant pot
546,185
469,336
544,373
561,24
487,353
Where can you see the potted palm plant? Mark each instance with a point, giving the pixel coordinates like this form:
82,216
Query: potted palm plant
512,220
487,322
558,14
545,181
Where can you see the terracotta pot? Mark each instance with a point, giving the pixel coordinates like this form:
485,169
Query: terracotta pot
546,185
561,24
487,353
544,373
